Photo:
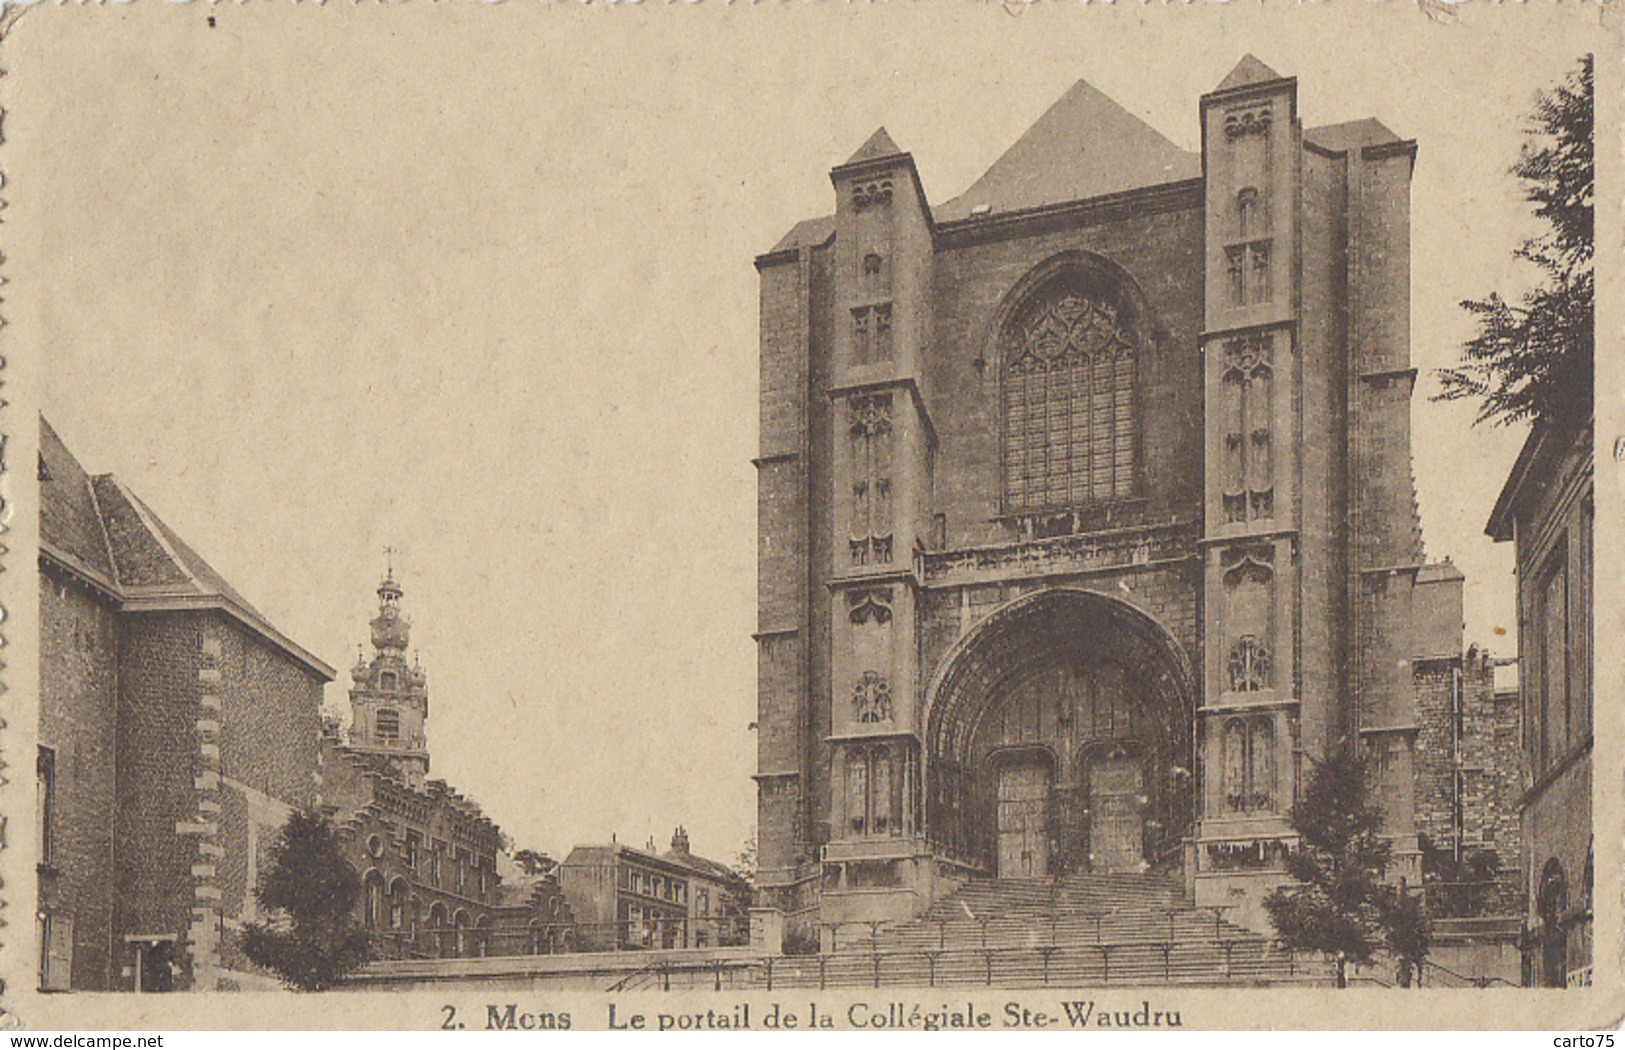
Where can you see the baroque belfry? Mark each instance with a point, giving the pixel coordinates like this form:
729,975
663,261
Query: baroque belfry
1087,521
389,700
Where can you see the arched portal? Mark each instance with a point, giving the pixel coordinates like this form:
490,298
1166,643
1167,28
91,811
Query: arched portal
1059,739
1551,902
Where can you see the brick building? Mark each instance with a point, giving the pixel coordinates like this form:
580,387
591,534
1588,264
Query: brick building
627,899
178,728
428,857
1086,516
1547,509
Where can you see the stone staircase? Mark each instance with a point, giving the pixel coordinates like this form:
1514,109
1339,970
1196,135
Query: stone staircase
1075,931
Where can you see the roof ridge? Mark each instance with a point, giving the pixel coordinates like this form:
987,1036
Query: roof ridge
101,525
149,520
1084,145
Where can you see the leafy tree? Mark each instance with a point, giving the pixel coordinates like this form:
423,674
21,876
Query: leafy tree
1341,905
532,862
313,939
745,863
1532,360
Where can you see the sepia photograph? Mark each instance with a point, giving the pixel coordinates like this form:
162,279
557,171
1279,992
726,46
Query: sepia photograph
963,500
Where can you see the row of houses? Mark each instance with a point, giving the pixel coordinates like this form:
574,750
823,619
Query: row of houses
179,729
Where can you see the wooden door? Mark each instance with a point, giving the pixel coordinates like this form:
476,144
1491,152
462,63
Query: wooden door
1116,815
1023,802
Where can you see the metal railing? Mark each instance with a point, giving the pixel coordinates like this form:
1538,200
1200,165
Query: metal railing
474,942
1155,961
848,935
1452,979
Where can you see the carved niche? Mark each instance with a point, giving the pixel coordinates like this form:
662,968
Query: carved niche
1248,764
871,698
869,511
1246,409
871,333
1249,665
1248,611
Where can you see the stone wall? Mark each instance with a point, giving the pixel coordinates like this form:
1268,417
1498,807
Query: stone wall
78,701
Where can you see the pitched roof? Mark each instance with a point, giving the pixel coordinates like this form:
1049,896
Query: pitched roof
98,528
1085,145
70,522
1535,470
878,145
1351,134
805,234
1248,71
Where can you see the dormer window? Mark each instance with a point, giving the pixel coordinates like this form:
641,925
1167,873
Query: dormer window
389,725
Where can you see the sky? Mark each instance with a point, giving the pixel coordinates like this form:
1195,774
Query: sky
475,283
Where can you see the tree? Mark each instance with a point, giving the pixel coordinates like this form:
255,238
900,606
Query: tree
313,939
1407,933
1341,906
745,863
532,862
1533,360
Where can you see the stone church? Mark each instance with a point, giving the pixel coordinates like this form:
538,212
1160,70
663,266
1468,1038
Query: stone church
1087,522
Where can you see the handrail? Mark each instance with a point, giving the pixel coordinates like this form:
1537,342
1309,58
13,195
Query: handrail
1483,981
868,968
647,968
513,939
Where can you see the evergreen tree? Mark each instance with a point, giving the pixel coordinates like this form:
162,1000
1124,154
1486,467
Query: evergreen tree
1533,360
1407,933
313,939
1341,905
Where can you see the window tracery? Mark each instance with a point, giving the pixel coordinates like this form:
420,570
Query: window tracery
866,605
1249,764
869,800
1070,426
876,194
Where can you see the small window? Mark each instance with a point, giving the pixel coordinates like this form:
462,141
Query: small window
45,769
414,843
389,725
387,681
1249,217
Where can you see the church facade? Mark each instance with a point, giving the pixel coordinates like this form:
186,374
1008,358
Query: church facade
1086,515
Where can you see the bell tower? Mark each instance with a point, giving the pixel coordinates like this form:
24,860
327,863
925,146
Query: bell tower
389,702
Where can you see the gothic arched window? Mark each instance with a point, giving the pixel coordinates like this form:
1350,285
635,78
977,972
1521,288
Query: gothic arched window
1070,419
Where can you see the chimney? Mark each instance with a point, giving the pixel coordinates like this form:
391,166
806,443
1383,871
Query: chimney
679,840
